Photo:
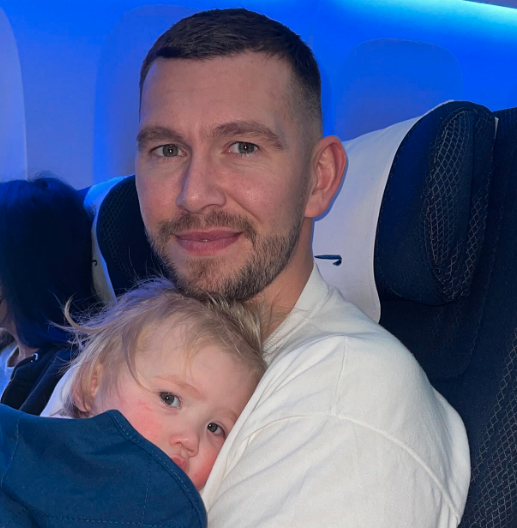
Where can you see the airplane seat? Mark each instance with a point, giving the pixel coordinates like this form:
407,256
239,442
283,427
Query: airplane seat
444,268
121,238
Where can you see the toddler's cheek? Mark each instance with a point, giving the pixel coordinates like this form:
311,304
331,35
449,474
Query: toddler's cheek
142,418
199,471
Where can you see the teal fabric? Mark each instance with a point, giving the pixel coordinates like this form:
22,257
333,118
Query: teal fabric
84,473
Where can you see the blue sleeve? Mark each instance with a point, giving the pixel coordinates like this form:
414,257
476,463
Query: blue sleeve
8,437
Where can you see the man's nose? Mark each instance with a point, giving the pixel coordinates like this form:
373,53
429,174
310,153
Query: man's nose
188,437
201,187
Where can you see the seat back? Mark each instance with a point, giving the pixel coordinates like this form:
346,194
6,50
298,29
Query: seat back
445,251
121,239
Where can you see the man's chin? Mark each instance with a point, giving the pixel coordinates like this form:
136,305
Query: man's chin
238,276
239,284
202,287
199,278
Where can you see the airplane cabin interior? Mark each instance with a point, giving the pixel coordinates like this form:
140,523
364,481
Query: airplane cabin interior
422,234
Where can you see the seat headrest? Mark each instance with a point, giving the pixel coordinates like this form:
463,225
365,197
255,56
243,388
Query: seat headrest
433,215
121,238
344,237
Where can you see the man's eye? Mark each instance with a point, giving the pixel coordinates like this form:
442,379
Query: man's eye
243,148
170,399
167,151
216,429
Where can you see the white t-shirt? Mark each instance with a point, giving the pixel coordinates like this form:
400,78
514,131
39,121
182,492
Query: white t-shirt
55,404
344,430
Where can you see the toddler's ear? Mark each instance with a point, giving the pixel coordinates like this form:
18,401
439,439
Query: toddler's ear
96,381
82,400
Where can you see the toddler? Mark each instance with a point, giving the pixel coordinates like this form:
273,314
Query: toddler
174,370
180,371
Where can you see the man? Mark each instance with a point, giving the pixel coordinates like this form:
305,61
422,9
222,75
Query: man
231,170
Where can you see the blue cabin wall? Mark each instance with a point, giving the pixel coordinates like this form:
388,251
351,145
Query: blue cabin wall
71,80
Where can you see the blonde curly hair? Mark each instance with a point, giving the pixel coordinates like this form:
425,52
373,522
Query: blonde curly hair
113,337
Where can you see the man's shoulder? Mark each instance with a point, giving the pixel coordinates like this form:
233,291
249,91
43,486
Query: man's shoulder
341,392
344,365
334,327
343,405
361,362
337,387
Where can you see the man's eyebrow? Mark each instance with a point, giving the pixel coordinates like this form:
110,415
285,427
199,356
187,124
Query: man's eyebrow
151,134
248,129
177,380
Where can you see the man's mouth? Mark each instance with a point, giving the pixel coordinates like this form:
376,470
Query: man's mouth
206,236
206,243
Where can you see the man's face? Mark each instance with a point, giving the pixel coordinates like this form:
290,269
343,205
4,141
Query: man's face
222,172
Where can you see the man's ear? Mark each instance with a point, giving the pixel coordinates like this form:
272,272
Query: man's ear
328,164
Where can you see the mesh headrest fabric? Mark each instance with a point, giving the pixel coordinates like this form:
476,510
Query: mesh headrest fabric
486,396
433,215
122,240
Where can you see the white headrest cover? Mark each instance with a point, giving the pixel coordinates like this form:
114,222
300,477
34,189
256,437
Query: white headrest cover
349,228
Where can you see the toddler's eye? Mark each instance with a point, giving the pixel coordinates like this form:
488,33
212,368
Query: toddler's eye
216,429
170,399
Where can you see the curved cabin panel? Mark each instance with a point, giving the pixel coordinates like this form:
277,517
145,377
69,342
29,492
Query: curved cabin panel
13,152
381,62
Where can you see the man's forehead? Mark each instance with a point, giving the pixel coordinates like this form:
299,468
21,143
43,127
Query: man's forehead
245,70
248,87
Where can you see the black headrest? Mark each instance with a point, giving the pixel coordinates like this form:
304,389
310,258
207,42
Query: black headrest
433,216
467,346
122,239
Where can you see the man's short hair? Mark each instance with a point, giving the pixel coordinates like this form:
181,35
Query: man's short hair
230,32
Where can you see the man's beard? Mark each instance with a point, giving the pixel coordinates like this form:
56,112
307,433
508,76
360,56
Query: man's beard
270,255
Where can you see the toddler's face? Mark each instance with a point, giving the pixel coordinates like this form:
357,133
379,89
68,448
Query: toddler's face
186,407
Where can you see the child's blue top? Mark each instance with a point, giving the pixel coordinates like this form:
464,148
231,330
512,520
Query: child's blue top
98,471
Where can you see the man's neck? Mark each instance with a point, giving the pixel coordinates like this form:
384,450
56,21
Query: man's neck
280,297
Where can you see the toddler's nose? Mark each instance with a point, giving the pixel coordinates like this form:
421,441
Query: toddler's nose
188,438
